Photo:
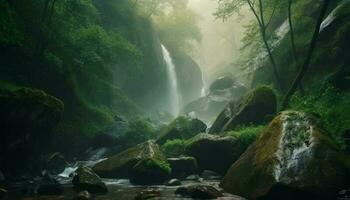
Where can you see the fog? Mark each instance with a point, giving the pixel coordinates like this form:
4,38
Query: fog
221,40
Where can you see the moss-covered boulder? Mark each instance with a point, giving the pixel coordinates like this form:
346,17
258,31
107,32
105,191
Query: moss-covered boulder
181,128
254,108
293,159
143,164
150,171
86,179
213,152
183,166
27,117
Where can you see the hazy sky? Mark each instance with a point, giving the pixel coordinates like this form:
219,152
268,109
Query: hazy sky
221,40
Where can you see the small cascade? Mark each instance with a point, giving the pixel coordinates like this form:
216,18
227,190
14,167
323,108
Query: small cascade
173,89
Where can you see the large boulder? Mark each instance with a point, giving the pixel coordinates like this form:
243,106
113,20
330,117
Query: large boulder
86,179
213,152
27,117
183,166
222,91
181,128
255,108
143,164
293,159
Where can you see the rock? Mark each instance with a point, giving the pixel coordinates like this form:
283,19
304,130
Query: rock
293,159
194,177
49,186
86,179
210,175
143,164
213,152
28,116
147,194
183,166
3,193
221,83
209,106
150,171
343,195
199,192
83,195
254,108
56,163
181,128
174,182
189,77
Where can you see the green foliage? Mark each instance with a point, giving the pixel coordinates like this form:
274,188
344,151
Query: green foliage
246,135
9,31
330,104
174,148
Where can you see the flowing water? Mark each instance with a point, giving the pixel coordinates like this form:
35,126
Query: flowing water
173,87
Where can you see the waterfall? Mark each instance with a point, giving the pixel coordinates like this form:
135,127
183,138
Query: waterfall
173,90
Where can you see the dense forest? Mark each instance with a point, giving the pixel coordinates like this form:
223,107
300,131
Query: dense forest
175,99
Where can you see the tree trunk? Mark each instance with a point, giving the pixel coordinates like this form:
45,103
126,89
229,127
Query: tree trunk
262,27
292,38
306,64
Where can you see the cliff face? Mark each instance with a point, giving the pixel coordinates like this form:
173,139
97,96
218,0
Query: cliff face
102,61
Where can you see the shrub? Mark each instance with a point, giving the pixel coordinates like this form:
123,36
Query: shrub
174,148
331,105
246,135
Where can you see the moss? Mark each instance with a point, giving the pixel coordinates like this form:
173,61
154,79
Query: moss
246,135
174,148
31,95
181,128
150,171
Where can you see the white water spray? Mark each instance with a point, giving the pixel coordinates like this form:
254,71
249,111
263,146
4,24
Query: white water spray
173,90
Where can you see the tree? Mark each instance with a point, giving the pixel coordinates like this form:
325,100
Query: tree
257,7
306,64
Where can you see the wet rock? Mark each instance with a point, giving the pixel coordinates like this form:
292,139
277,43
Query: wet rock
83,195
147,194
181,128
183,166
55,163
255,108
210,175
49,186
199,192
343,195
214,152
293,159
194,177
86,179
174,182
143,164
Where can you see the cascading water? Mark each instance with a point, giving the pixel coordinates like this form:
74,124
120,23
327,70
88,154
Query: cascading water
173,90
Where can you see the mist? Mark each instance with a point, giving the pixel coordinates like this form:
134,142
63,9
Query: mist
221,40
